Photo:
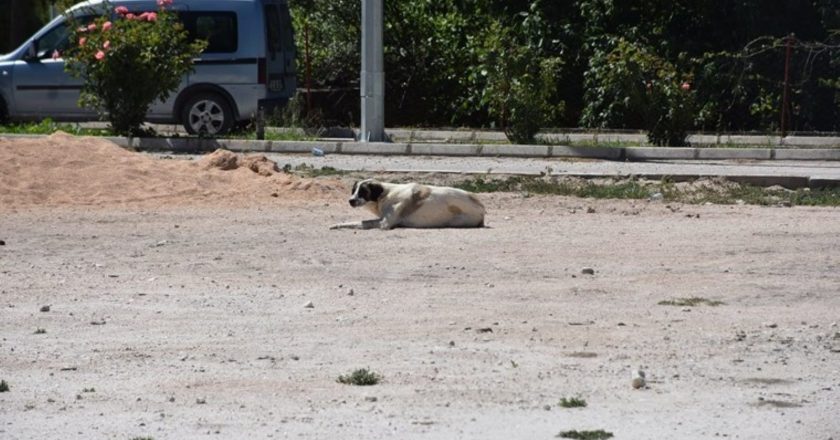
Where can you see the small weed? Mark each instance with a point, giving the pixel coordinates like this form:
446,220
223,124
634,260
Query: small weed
307,170
586,435
48,126
572,402
727,193
534,185
40,331
4,386
690,302
361,377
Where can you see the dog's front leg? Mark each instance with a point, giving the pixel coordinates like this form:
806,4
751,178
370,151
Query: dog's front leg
390,218
364,224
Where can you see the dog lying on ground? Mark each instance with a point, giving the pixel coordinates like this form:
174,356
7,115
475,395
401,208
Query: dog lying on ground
412,205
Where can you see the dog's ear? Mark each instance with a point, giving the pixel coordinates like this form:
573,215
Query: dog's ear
375,191
355,186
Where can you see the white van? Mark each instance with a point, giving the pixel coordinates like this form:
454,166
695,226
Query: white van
249,63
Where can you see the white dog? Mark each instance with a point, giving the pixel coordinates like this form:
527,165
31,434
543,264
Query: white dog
412,205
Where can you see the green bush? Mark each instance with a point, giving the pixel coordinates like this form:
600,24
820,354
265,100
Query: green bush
630,85
129,63
520,85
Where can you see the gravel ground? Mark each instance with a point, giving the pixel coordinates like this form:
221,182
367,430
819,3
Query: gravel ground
181,322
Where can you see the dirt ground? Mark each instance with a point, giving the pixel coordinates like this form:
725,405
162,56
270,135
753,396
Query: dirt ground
179,311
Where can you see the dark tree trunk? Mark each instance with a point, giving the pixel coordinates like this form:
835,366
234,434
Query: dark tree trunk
19,14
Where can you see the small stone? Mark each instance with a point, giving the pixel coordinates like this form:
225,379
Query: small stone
771,325
655,197
201,401
309,305
451,343
638,379
590,210
2,243
45,308
588,271
172,399
350,292
371,399
547,407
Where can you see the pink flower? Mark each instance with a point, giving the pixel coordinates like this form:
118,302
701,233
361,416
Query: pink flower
685,86
163,3
92,27
82,41
56,55
129,16
106,26
151,16
106,45
99,55
122,10
143,16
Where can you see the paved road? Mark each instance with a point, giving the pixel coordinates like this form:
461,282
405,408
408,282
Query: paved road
788,173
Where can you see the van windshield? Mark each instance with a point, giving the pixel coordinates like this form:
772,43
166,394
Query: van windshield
57,39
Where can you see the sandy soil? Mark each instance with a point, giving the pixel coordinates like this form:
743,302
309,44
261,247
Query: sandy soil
180,313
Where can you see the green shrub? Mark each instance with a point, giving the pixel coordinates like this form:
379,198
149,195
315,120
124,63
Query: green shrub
129,63
630,85
521,85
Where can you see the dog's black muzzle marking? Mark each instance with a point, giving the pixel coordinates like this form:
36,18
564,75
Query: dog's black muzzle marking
357,202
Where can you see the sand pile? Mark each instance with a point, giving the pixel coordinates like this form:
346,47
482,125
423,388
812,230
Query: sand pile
227,160
69,170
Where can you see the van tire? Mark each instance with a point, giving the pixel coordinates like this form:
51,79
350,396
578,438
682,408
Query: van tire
207,113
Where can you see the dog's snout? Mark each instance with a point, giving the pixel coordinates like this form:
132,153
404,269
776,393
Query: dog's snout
354,202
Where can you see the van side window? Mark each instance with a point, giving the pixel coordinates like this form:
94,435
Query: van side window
217,28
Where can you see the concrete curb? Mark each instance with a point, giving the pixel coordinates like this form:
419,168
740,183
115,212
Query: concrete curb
192,145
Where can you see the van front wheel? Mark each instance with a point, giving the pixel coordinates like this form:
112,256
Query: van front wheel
207,114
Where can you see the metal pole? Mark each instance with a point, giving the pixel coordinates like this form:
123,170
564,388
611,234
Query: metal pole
372,81
786,86
308,69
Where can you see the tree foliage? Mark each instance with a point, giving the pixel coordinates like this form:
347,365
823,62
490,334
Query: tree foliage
467,62
489,63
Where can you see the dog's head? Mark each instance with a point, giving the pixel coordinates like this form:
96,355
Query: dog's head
365,191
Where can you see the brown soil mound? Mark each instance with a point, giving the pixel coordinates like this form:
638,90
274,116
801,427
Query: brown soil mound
69,170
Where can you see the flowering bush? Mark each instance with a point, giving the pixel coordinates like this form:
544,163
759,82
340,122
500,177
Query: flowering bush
632,85
128,61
